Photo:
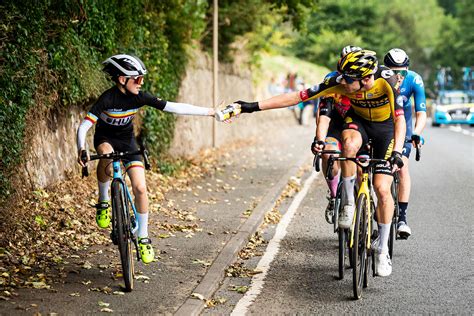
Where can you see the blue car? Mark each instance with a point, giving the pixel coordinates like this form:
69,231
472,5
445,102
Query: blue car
453,107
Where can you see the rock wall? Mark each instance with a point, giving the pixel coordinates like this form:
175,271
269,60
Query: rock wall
52,153
195,133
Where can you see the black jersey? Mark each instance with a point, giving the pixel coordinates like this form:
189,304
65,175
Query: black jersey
114,111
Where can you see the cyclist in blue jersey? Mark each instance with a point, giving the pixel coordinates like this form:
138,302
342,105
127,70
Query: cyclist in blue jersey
114,112
411,86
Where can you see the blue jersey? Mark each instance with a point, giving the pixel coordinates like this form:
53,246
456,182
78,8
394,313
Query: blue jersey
412,86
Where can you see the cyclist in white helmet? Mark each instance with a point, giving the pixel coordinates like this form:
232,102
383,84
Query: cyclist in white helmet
114,112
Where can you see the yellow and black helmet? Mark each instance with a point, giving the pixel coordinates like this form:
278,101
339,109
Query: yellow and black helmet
357,65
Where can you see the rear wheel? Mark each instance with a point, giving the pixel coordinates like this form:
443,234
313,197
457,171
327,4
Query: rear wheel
121,226
359,246
342,251
393,226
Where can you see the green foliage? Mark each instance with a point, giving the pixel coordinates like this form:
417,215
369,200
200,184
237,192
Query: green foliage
51,50
238,18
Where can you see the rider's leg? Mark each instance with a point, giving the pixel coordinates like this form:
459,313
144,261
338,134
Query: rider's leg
331,144
136,172
102,177
385,207
404,189
351,143
103,214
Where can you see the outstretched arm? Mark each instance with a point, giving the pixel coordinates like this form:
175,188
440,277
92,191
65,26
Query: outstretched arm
187,109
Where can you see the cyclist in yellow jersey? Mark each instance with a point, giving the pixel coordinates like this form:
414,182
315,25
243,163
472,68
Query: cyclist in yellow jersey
376,112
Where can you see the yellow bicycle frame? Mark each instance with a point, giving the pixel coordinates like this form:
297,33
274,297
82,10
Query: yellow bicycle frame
363,189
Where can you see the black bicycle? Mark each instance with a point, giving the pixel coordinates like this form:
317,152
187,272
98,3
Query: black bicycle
345,252
124,223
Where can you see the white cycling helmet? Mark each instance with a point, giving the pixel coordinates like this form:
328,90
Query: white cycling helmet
124,65
349,49
396,57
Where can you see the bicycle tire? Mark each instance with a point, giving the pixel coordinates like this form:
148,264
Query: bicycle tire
342,252
393,226
119,207
359,246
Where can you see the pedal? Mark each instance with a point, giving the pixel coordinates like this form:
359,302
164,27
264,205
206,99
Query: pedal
403,236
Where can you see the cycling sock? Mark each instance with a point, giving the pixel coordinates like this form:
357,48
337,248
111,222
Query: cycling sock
348,183
332,184
403,211
142,225
384,232
104,191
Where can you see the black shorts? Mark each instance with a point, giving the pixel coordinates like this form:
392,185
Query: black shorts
334,133
381,134
121,144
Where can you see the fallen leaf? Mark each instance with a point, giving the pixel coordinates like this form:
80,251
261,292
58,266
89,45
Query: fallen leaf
106,310
75,294
198,296
103,304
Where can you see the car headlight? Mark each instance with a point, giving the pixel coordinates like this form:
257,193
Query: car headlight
441,109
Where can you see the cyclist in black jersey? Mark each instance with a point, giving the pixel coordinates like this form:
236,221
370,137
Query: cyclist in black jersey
114,112
376,111
330,122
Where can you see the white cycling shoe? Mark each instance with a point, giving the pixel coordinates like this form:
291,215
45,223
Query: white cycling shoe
403,230
346,216
383,264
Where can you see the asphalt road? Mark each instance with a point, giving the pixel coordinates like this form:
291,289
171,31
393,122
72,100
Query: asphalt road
432,271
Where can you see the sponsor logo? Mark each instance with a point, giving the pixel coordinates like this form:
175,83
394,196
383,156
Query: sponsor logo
403,90
399,112
399,100
339,79
359,95
387,73
419,81
423,105
370,95
304,95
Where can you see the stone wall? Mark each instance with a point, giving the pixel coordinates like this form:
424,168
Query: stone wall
195,133
52,153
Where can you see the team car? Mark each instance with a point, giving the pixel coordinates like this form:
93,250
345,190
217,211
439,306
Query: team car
453,107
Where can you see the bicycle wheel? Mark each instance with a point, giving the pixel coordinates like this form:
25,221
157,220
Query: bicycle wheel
342,251
393,226
121,226
359,245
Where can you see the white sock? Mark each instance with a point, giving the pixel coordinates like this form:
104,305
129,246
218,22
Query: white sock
384,233
104,191
348,183
142,225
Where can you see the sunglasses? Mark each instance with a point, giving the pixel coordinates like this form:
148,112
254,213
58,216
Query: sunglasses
348,79
402,73
136,79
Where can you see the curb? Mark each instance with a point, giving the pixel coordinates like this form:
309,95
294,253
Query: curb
215,274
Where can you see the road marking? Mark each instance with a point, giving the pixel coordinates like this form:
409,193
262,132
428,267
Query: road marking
459,129
272,250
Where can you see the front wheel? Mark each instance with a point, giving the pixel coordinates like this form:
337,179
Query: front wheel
342,251
359,247
122,232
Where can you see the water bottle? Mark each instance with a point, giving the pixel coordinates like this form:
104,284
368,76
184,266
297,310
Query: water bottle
229,111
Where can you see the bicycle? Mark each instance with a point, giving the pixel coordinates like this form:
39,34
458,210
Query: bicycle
361,233
124,223
343,234
396,214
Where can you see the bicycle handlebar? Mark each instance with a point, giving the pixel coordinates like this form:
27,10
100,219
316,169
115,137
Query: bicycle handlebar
115,156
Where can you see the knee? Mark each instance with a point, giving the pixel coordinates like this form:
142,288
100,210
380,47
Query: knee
383,192
139,190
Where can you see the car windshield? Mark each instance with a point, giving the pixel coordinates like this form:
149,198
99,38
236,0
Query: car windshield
454,99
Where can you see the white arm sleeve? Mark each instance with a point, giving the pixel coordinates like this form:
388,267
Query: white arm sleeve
81,134
185,109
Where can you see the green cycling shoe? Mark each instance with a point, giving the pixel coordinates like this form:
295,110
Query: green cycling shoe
103,214
146,250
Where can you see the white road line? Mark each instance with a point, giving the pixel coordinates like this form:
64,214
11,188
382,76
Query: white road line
459,129
272,250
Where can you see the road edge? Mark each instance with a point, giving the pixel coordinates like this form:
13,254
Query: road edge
214,276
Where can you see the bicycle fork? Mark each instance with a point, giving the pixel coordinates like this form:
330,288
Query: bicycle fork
363,189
